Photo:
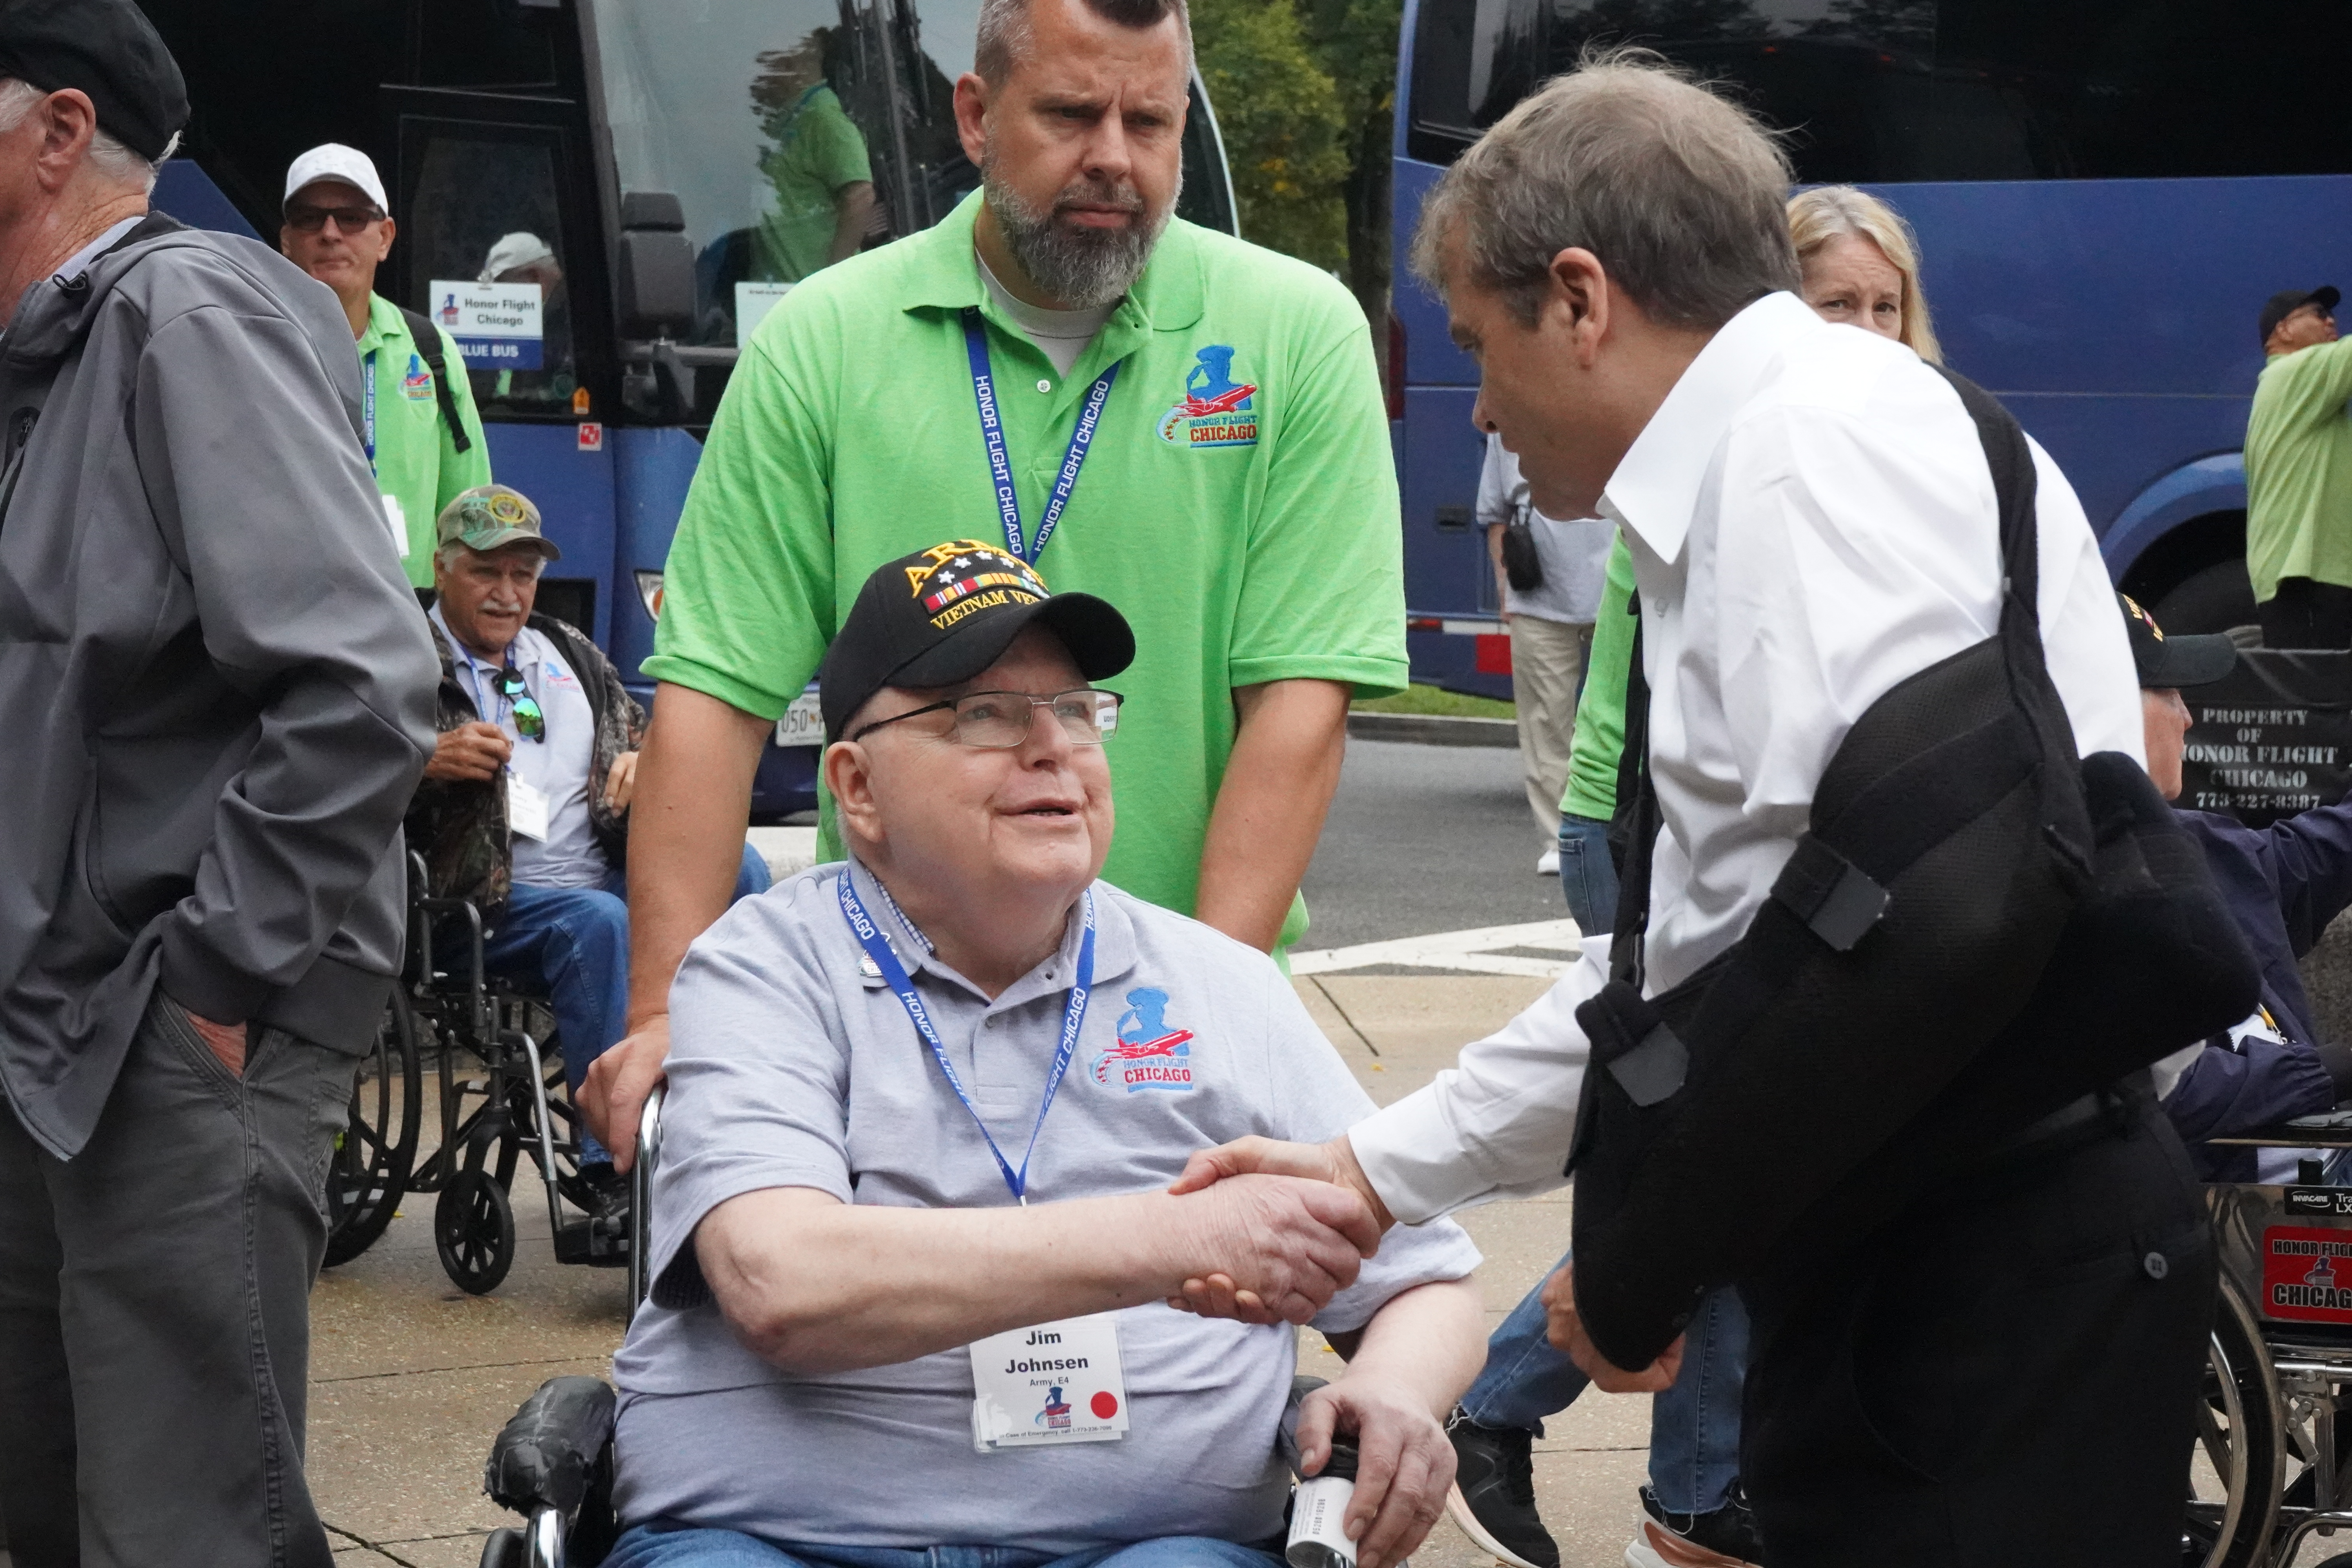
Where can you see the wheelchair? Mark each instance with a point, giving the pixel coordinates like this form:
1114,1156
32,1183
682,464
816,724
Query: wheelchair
500,1094
2272,1466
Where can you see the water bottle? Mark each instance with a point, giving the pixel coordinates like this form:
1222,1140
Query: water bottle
1317,1512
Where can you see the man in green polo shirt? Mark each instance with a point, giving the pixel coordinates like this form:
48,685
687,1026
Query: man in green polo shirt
2299,476
423,436
1234,490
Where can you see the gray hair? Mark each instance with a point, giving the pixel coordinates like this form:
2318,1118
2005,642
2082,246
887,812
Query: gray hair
114,162
1677,191
1004,36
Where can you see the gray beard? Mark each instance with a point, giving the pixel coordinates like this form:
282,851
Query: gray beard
1086,269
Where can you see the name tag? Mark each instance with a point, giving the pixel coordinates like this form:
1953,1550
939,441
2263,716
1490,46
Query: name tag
1056,1382
525,808
397,520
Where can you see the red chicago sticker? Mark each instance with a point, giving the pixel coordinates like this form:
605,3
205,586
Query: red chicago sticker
1104,1405
2308,1274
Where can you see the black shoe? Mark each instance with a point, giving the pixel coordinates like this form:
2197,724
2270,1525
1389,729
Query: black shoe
608,1190
1494,1494
1724,1539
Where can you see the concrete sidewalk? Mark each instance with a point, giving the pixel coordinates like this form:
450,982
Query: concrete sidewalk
410,1378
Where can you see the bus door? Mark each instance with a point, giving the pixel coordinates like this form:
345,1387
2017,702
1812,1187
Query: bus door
499,245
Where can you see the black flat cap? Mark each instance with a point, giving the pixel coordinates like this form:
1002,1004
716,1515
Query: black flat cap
107,48
943,614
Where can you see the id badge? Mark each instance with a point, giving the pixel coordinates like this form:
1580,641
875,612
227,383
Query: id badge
525,808
397,520
1056,1382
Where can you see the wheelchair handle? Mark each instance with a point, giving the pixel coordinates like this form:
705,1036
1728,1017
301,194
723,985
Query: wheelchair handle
641,1194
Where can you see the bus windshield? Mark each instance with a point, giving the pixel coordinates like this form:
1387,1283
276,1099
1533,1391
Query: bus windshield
797,132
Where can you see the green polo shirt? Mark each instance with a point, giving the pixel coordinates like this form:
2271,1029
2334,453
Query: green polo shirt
1600,738
818,152
2299,471
1257,542
418,463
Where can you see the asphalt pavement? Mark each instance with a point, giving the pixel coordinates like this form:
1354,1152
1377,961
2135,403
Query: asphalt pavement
1426,838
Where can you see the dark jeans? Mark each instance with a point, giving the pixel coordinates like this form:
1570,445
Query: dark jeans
2306,614
1587,877
154,1312
2006,1372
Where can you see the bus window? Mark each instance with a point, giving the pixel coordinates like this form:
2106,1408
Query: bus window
796,132
1874,90
768,120
484,212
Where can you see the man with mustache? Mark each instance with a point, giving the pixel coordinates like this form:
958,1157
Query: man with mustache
1145,408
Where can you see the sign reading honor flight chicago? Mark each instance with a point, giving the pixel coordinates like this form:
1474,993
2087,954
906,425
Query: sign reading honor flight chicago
1217,410
496,325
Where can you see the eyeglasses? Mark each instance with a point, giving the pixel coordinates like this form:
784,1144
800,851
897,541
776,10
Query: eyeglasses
999,721
350,220
530,722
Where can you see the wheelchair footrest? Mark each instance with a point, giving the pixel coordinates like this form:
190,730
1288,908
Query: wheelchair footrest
600,1243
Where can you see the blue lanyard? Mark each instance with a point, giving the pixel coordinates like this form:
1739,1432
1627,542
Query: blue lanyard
862,926
1000,467
367,374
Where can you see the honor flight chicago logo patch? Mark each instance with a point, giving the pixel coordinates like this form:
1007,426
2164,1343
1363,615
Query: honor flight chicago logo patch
1149,1055
1217,410
963,575
418,383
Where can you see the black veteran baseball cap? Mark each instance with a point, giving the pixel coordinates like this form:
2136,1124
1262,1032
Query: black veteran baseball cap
109,50
943,614
2284,304
2164,661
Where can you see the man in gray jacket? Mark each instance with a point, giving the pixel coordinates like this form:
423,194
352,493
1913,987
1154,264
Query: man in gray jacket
217,697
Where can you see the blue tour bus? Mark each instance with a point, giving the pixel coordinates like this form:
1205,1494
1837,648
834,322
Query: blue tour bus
2105,191
655,160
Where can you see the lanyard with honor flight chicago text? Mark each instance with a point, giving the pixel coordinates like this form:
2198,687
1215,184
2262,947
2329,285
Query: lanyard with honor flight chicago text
876,948
1000,467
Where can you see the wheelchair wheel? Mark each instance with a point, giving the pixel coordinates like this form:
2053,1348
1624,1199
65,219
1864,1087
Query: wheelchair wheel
474,1230
2241,1463
376,1151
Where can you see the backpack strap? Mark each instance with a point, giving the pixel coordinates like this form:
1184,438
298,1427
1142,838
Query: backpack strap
428,349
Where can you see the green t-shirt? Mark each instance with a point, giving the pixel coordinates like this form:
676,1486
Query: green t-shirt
1601,712
1257,542
818,151
2299,471
418,463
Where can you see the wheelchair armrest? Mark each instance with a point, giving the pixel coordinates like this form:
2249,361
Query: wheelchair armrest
554,1450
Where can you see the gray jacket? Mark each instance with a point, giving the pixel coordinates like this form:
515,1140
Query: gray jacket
214,687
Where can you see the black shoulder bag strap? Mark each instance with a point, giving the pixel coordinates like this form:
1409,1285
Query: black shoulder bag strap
428,349
1634,827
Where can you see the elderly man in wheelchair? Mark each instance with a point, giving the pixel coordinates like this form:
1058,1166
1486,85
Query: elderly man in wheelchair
912,1253
523,808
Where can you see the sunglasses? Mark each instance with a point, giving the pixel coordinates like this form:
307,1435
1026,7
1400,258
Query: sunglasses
530,722
350,220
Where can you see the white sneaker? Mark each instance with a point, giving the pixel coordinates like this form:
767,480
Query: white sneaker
1548,863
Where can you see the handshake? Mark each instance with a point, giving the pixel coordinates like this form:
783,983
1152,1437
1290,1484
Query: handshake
1295,1223
1271,1231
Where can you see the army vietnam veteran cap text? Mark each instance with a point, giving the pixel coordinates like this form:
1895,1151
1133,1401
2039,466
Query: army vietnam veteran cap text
943,614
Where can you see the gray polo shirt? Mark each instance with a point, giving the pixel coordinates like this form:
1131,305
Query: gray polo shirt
788,1068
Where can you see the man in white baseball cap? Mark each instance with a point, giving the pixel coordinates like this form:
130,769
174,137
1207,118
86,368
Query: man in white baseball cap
423,436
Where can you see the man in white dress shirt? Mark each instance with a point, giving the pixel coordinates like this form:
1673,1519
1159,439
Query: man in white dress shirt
2005,1373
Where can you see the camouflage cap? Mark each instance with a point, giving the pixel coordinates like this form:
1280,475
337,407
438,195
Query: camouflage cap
490,517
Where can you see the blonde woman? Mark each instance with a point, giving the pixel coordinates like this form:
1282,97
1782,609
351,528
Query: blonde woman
1862,265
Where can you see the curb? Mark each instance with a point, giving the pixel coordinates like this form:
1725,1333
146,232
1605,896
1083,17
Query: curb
1433,730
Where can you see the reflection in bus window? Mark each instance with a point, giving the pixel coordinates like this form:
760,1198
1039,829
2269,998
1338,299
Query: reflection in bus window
817,164
485,213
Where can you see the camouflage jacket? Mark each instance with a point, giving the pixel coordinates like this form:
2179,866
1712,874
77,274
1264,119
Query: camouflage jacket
460,826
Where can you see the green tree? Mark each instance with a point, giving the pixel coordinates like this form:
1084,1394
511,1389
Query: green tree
1281,115
1355,42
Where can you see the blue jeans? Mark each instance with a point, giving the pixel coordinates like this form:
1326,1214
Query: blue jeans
1694,1425
1588,878
575,943
660,1545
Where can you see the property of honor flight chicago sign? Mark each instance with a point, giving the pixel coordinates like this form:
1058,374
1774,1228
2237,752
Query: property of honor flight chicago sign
497,326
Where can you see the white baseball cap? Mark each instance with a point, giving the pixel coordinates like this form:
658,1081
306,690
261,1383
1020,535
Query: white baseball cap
520,248
333,161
